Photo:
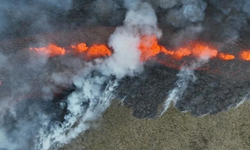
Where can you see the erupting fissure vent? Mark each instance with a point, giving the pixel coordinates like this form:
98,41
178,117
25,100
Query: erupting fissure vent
82,55
148,47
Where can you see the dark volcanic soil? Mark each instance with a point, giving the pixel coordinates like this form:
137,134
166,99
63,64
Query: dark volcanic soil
209,94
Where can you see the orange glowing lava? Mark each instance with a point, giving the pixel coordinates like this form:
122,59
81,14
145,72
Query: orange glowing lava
181,52
96,51
51,50
81,47
225,56
245,55
149,48
202,50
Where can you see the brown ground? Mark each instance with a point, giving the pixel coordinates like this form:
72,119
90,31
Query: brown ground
119,130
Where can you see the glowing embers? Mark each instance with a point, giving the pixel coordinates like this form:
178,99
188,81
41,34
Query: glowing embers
92,52
51,50
225,56
245,55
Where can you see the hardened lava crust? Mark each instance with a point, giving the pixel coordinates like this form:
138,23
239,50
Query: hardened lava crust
208,94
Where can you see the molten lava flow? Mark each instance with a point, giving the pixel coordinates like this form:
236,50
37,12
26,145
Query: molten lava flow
149,48
166,52
225,56
202,50
96,51
82,47
245,55
181,52
51,50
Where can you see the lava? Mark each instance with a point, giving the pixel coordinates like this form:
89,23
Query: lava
92,52
202,50
51,50
224,56
96,51
181,52
149,49
245,55
81,47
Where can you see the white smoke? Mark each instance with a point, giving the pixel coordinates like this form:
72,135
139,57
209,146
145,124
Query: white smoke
91,100
21,117
185,76
96,81
139,20
84,106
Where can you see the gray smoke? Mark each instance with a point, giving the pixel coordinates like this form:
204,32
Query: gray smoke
191,11
188,33
23,111
3,60
24,17
28,116
125,61
231,16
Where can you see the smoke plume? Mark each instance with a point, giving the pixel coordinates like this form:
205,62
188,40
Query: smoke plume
94,83
38,110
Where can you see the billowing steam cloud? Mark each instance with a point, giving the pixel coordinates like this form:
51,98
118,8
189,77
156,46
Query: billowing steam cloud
93,85
140,19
